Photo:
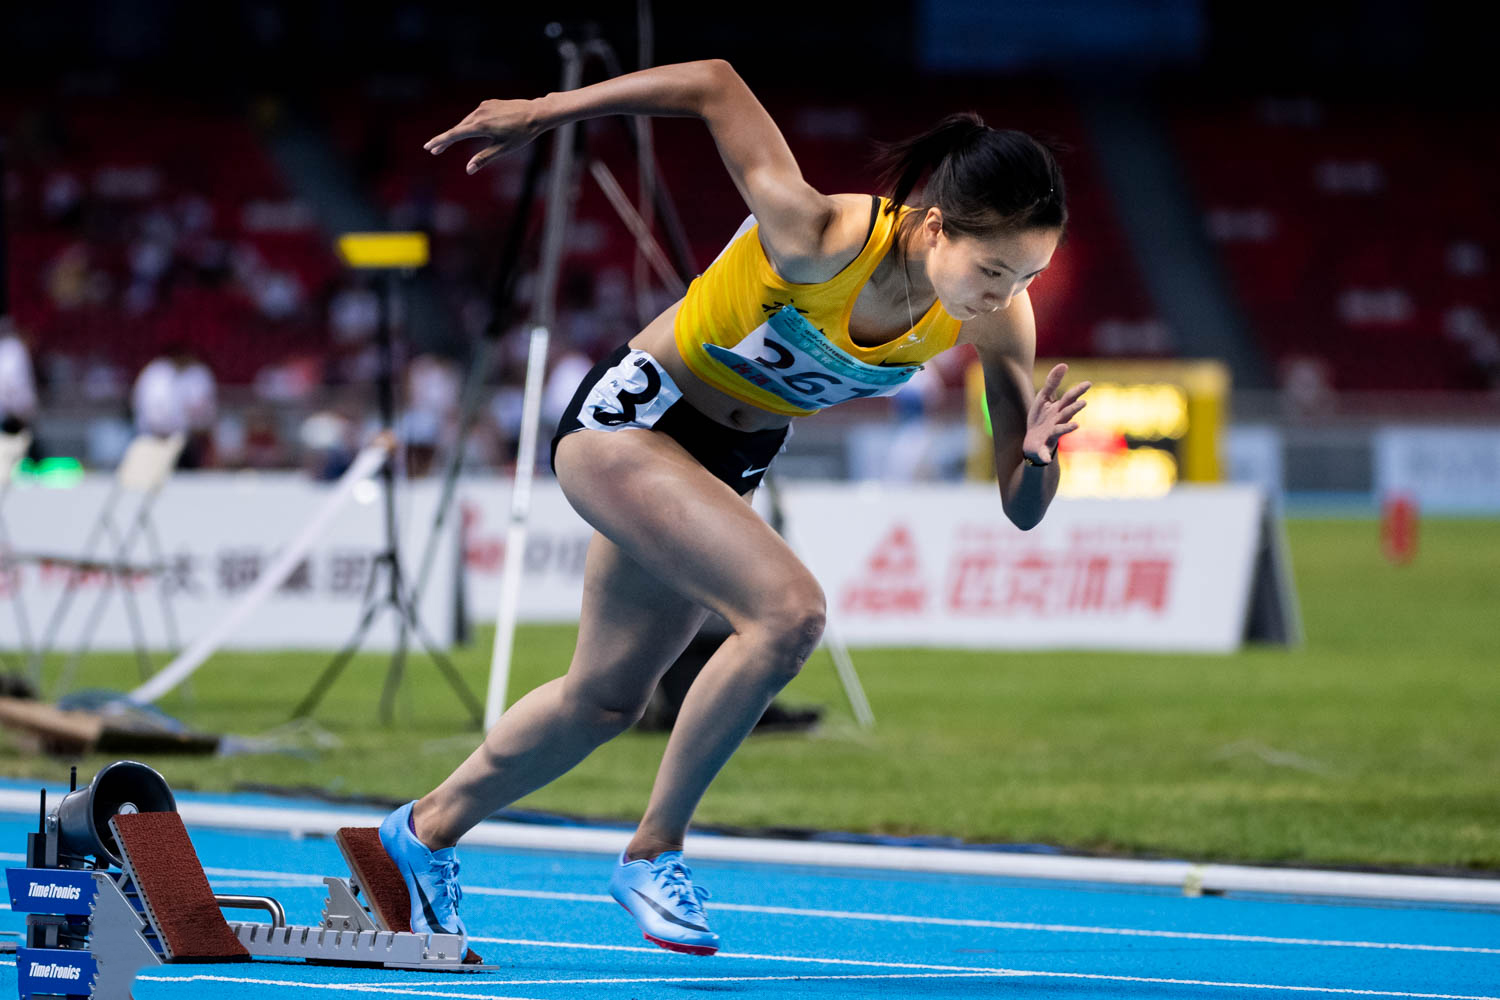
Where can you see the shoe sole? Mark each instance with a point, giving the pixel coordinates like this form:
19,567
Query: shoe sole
683,949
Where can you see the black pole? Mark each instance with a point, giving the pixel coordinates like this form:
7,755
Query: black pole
4,241
388,560
385,395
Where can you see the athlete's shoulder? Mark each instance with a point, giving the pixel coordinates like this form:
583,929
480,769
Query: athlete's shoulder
839,237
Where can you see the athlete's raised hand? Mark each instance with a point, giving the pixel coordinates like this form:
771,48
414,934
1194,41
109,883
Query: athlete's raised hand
509,125
1051,416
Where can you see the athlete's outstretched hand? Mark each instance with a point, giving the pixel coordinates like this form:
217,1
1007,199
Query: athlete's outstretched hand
1051,416
509,125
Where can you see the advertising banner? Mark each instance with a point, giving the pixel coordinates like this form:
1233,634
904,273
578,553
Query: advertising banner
81,568
903,565
1443,469
939,565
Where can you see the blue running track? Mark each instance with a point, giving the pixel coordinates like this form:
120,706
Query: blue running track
546,921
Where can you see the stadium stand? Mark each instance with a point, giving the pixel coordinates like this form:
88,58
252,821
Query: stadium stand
1357,236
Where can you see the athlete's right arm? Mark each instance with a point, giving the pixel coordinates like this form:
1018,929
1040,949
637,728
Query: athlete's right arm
793,216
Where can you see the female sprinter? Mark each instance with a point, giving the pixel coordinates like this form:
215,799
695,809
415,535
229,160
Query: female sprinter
819,299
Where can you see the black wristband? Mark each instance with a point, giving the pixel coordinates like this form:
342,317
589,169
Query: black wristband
1033,463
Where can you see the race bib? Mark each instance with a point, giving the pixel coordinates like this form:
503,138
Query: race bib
634,393
787,357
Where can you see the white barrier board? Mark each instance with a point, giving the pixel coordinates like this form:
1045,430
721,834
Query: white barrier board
1444,469
933,565
217,532
940,565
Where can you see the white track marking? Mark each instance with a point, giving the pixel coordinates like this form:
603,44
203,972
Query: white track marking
293,880
741,979
1013,973
340,987
297,822
732,954
954,972
899,918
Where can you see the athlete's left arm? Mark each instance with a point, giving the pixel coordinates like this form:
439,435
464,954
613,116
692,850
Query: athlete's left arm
1027,423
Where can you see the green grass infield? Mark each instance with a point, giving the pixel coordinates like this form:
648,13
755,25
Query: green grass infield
1377,744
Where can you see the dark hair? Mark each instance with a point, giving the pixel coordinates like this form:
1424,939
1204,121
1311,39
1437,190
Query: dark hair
986,181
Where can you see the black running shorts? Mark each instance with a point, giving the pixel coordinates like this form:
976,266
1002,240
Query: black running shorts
630,389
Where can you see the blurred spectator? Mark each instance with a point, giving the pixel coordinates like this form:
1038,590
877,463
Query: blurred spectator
1307,385
17,382
505,416
101,379
433,386
250,441
353,314
563,380
330,438
291,378
72,280
177,392
62,198
106,439
277,294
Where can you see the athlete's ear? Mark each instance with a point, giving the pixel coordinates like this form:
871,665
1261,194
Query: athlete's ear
932,226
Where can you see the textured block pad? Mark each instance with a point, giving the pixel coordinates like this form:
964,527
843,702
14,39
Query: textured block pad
378,876
160,860
384,888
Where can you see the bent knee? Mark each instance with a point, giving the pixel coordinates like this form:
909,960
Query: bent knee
794,623
606,714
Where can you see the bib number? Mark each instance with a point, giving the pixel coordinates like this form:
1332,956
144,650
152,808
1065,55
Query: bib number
789,358
634,393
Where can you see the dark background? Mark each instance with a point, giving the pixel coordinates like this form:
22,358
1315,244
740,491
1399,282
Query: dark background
1384,48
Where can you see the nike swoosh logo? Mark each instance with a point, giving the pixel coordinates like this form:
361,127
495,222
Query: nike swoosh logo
427,910
750,472
666,915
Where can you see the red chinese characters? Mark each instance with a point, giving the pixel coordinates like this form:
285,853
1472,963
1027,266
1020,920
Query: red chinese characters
994,573
892,581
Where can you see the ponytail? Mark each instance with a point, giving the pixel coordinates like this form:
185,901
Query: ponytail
986,181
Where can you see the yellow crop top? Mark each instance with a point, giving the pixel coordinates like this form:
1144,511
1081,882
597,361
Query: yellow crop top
785,347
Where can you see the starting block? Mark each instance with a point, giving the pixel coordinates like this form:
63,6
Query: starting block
90,928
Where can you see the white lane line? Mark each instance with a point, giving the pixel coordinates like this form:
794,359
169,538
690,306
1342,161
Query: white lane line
341,987
963,973
1245,986
1122,931
298,822
899,918
742,979
948,972
1012,973
292,879
733,954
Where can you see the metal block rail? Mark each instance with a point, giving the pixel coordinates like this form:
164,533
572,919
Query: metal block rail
90,928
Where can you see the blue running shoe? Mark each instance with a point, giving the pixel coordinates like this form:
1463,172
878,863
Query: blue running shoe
669,909
431,877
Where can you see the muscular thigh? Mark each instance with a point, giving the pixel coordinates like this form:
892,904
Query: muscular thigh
631,628
648,496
